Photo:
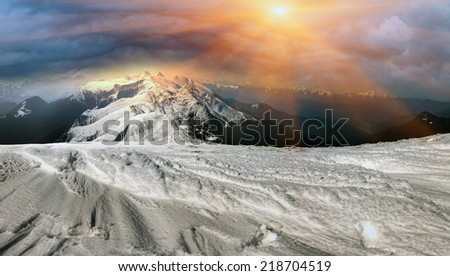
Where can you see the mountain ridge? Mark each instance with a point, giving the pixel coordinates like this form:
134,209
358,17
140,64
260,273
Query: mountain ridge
155,99
150,99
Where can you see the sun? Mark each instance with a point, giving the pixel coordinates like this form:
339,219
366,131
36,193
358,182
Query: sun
279,15
279,10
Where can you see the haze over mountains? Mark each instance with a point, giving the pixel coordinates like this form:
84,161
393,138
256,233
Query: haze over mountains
373,116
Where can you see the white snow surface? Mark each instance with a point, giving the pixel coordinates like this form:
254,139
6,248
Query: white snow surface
23,111
93,199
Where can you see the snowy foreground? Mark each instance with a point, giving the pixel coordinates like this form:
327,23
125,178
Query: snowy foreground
91,199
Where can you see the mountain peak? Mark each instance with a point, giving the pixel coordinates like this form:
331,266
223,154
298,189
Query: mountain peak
153,102
180,80
161,75
28,106
427,116
35,100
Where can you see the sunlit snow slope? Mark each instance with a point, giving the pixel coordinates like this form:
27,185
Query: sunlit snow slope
152,101
90,199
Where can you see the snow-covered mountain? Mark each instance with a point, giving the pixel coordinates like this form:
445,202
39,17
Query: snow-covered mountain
162,109
28,106
94,199
35,121
166,107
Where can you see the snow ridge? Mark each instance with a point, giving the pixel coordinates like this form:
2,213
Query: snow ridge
151,100
22,112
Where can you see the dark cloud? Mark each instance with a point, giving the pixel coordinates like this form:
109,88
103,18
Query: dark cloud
430,15
54,55
402,47
109,6
404,50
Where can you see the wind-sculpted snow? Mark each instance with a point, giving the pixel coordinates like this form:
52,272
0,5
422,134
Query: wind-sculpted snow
92,199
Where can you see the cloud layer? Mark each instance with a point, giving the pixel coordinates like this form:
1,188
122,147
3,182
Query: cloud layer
348,46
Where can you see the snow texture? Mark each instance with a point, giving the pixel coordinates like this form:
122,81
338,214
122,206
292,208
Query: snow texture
22,112
152,101
93,199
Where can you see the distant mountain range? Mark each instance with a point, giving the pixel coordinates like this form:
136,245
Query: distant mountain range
425,124
445,114
369,108
6,107
35,121
368,113
149,100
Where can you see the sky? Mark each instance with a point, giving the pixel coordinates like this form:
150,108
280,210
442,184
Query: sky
50,47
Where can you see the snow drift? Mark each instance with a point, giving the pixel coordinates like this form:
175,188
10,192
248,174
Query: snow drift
92,199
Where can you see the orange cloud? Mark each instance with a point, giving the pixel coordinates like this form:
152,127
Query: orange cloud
332,44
